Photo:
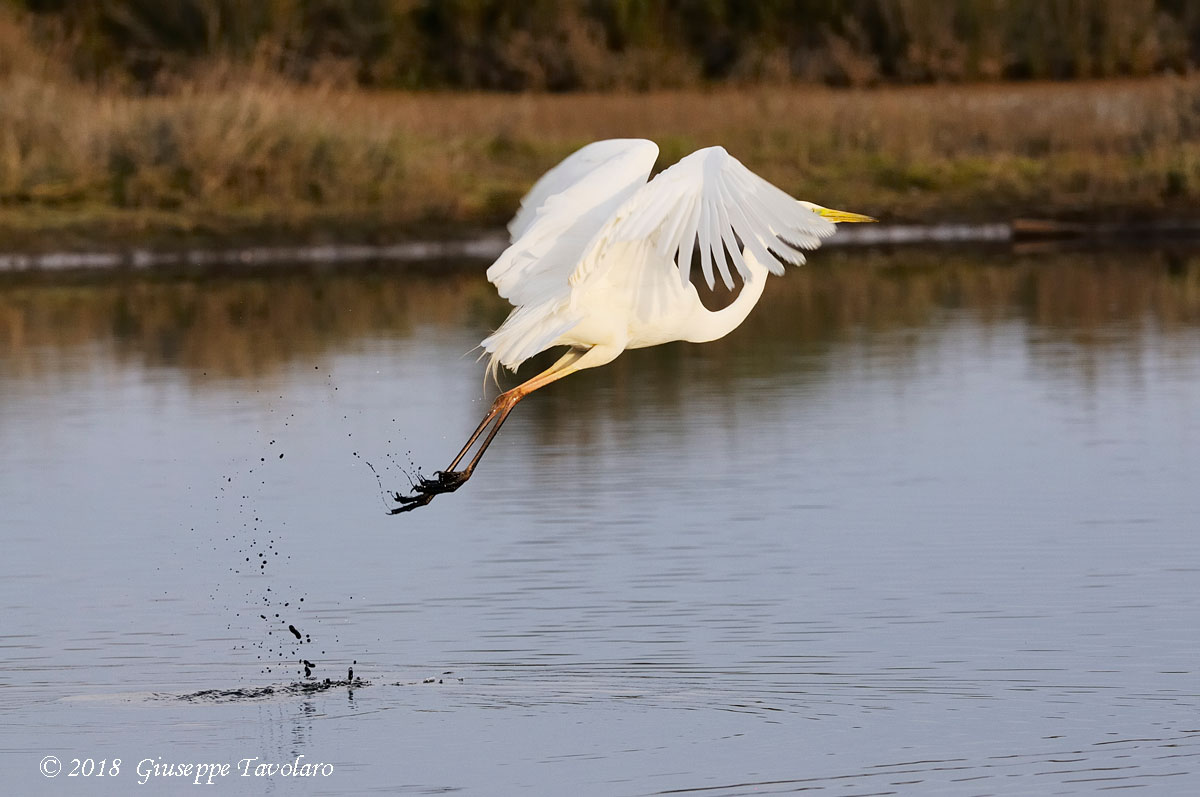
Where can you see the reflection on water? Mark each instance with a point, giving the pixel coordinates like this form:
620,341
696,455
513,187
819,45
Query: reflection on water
924,524
231,327
246,327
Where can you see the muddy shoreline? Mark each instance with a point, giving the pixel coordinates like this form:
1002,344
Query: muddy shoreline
487,245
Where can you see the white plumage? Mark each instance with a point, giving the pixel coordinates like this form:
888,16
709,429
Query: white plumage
601,257
600,260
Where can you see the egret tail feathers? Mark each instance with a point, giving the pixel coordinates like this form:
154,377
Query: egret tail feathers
528,330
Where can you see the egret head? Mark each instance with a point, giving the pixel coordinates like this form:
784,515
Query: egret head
835,215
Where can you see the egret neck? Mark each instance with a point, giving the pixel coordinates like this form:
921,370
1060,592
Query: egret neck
705,325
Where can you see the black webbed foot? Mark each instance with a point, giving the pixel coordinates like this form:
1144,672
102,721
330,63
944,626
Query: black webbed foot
408,503
428,489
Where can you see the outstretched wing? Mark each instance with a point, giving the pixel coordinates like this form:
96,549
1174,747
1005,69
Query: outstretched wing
561,215
710,200
572,169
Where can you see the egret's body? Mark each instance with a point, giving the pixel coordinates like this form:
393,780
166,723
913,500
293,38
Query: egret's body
601,256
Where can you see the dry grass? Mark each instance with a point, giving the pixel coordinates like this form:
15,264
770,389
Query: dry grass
246,154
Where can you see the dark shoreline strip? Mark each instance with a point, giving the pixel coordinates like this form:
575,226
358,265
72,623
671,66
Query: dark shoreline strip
487,247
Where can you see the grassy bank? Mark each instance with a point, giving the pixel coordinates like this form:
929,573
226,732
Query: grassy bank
252,157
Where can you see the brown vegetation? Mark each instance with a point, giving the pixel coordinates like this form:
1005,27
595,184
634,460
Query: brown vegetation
233,152
573,45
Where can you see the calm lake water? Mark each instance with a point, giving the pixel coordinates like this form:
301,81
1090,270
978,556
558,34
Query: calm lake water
928,523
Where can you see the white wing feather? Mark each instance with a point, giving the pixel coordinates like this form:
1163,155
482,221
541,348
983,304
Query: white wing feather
571,170
561,215
709,199
595,212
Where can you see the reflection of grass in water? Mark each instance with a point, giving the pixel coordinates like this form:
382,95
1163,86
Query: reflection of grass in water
229,327
246,327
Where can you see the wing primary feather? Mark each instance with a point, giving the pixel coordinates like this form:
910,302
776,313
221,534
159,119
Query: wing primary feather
781,211
706,225
749,233
668,240
752,234
761,207
726,243
687,243
785,251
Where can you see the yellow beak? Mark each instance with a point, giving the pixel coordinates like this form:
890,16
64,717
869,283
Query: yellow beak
841,215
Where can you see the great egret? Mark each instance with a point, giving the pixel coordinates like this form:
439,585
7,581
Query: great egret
600,261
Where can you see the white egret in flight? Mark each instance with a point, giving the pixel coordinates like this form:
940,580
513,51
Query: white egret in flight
601,257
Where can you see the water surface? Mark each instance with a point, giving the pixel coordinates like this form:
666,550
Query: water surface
925,524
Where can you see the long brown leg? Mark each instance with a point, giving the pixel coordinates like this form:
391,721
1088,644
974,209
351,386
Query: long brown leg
449,480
